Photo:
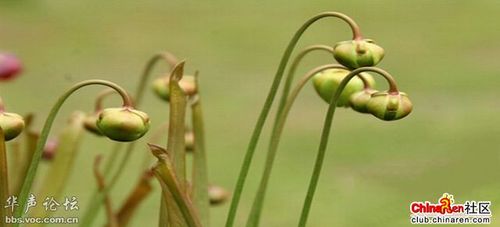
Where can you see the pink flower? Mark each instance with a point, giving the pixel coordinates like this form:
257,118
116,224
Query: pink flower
10,66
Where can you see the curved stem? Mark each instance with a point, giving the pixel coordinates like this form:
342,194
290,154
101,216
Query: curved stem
30,176
293,69
254,217
366,84
268,103
98,196
326,133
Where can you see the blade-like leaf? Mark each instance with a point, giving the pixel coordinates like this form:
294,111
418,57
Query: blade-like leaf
165,173
200,169
176,143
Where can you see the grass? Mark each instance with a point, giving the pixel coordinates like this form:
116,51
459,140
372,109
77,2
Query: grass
442,53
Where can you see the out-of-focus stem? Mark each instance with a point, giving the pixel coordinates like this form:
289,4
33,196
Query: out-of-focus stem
268,103
326,133
254,218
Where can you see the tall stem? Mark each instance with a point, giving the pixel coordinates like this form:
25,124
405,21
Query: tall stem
326,133
268,103
30,176
254,217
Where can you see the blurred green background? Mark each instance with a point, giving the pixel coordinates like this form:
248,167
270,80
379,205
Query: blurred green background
444,54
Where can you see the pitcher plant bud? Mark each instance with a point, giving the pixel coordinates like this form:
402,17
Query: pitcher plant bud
49,150
217,194
12,125
90,124
10,66
123,124
359,100
358,53
187,83
326,83
389,106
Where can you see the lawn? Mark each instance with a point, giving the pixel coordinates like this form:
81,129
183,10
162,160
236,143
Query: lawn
444,54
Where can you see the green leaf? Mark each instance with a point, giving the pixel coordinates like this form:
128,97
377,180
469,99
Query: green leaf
165,173
176,143
200,169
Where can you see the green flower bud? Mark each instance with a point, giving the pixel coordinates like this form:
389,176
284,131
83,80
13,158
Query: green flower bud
187,83
359,100
123,124
358,53
90,123
389,106
12,125
326,83
217,194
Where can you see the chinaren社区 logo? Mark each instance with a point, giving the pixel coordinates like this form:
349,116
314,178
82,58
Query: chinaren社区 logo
446,211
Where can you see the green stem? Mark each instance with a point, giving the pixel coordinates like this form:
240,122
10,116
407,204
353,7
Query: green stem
254,217
4,181
25,190
326,133
268,103
97,197
200,169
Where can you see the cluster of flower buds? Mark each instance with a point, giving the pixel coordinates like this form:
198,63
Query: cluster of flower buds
359,93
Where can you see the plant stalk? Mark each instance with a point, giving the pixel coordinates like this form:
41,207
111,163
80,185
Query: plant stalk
326,133
254,217
30,176
268,103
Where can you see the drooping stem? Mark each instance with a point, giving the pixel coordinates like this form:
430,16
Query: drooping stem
268,103
291,73
97,197
254,217
30,176
326,133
